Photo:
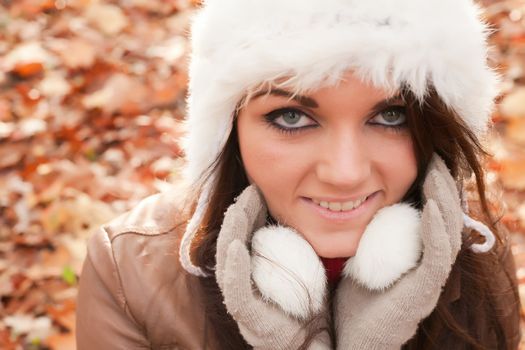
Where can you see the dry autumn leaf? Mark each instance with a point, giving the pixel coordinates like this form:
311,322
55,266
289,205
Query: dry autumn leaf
75,53
512,174
121,93
513,105
515,130
61,341
28,56
35,328
108,18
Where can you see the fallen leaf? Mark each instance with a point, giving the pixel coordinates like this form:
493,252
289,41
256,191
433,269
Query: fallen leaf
77,248
26,70
23,213
169,91
513,174
5,108
7,341
50,264
6,286
6,129
171,50
62,341
120,93
34,7
76,215
30,127
69,276
108,18
34,328
54,85
75,53
513,105
515,130
63,314
11,154
27,53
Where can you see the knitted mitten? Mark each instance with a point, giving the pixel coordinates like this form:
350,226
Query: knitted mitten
263,324
369,319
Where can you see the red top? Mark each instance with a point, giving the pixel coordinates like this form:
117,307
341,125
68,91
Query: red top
333,267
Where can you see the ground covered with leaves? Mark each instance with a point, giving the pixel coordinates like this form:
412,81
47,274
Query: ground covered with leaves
91,98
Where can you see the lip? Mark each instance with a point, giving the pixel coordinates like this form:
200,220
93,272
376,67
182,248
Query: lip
341,215
341,200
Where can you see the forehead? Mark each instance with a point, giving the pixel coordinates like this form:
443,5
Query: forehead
348,85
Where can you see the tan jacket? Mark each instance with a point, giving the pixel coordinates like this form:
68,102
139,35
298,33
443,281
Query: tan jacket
134,293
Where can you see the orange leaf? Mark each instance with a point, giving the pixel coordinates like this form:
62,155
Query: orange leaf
65,341
26,70
513,173
6,340
516,130
64,313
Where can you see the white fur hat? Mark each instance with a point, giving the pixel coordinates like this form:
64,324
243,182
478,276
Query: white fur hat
240,44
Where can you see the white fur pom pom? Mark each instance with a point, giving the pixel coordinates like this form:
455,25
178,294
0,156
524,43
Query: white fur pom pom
287,271
390,246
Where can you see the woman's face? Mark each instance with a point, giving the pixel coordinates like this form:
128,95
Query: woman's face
328,161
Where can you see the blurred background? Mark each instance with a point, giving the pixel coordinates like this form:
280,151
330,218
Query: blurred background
91,100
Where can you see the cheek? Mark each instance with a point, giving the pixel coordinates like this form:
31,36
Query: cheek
275,166
398,175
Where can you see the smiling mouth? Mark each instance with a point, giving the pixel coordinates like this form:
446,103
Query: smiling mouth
341,206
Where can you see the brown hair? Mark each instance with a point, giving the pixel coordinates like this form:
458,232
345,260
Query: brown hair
435,129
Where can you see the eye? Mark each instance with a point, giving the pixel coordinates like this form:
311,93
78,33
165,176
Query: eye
289,118
392,116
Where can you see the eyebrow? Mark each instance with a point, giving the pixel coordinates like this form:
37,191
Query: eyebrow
388,102
312,103
301,99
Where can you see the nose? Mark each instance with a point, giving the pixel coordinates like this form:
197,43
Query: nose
344,161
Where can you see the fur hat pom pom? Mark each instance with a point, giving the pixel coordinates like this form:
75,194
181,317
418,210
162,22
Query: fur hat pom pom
390,246
287,271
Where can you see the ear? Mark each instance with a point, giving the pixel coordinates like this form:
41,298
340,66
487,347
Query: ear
287,271
390,246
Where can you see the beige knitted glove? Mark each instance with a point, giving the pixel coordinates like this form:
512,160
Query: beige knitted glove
367,319
263,324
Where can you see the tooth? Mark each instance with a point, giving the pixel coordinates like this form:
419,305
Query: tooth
348,205
323,204
360,202
335,206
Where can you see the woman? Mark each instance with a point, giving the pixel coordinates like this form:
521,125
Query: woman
347,131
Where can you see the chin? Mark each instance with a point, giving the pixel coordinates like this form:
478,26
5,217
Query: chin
333,250
335,244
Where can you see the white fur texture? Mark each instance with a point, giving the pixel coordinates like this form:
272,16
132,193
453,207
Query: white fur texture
287,271
239,44
390,246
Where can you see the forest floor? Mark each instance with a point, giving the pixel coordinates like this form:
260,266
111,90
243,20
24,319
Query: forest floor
91,101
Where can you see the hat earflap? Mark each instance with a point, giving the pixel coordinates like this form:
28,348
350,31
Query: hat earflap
390,246
288,272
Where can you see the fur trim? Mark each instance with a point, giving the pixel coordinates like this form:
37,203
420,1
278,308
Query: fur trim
287,271
390,246
240,44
